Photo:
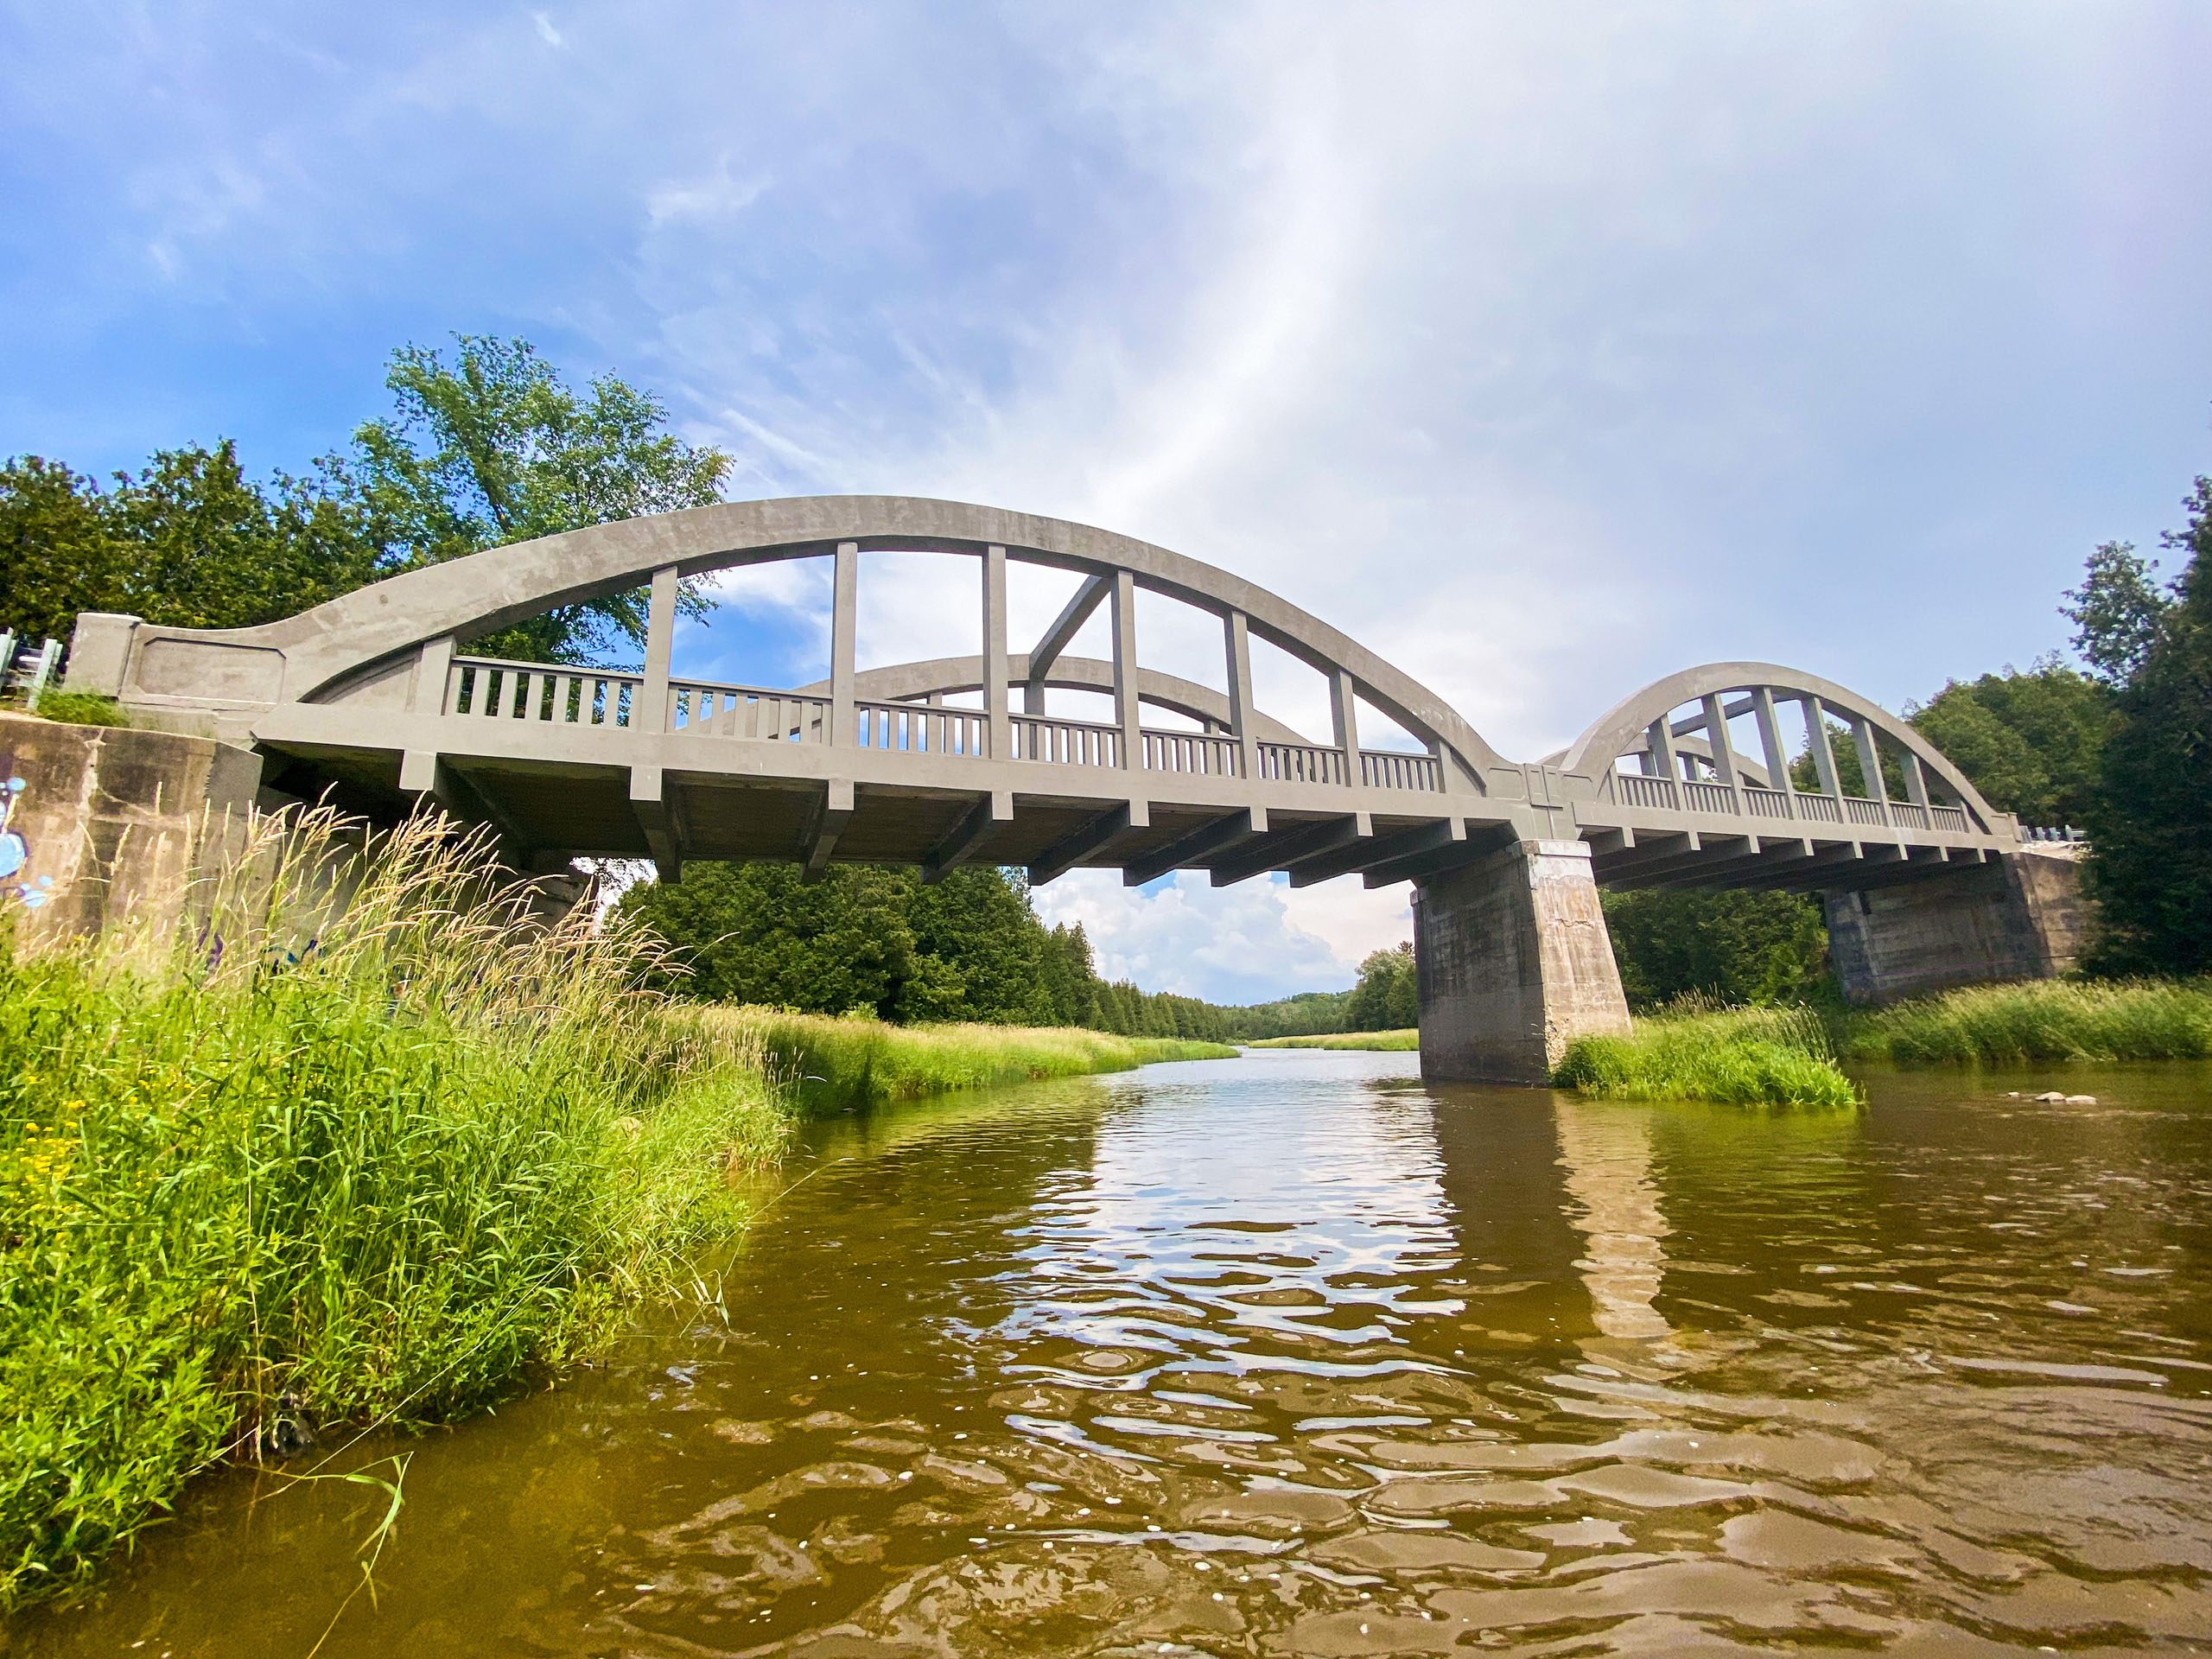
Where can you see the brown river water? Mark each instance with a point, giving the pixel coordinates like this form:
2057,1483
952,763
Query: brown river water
1292,1355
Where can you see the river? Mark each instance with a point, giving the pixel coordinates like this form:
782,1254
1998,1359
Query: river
1293,1355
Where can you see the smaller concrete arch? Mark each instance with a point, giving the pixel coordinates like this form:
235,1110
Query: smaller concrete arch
1644,725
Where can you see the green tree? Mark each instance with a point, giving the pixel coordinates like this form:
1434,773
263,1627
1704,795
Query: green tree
2032,743
1764,948
57,557
2151,827
1388,995
491,447
207,548
2116,612
758,933
978,921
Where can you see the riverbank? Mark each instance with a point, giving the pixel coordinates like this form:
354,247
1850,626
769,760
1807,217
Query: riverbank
831,1064
2037,1022
1797,1056
309,1167
1390,1042
1731,1057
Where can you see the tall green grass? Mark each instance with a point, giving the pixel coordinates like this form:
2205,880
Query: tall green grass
2036,1022
1692,1050
359,1143
833,1063
1379,1041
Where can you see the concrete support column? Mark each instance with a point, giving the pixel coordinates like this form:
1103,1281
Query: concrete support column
844,625
1515,962
1237,639
1916,780
2020,915
660,649
1344,721
1660,741
998,740
1125,669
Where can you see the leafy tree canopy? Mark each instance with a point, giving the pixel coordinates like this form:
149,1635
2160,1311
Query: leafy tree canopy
2030,742
491,447
1388,995
1764,948
487,448
2151,823
2116,612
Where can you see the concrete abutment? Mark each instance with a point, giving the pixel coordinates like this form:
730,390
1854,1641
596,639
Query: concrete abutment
2022,915
1515,962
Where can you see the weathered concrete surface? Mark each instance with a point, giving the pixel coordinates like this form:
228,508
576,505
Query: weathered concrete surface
109,825
1515,962
2021,916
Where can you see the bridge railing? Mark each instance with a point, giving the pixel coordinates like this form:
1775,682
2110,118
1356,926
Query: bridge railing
919,728
1066,742
1301,762
489,687
1193,753
1752,800
1391,769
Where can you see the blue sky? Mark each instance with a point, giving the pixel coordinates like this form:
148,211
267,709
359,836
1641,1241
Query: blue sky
1544,349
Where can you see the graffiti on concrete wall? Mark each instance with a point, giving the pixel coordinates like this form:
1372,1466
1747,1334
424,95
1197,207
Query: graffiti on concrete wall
16,883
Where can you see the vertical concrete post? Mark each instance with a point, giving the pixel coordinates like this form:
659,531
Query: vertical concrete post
1870,758
997,740
426,693
1716,737
1125,669
1916,781
1514,962
1237,630
1816,735
1777,757
660,650
844,625
1661,742
1344,721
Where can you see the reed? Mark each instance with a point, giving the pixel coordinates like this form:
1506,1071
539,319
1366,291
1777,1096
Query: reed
1379,1041
1693,1050
361,1143
832,1063
2037,1022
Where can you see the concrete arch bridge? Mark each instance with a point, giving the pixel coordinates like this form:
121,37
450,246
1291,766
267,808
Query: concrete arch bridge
375,698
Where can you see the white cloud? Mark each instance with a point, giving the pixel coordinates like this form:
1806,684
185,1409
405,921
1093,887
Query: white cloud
546,32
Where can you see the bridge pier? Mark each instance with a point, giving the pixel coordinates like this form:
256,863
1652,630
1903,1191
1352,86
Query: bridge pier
2020,915
1515,962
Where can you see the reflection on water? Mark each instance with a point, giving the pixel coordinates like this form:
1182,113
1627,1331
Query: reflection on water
1290,1354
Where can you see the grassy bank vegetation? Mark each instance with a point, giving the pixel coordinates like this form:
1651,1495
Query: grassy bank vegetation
1695,1050
302,1165
2037,1022
831,1063
1391,1041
